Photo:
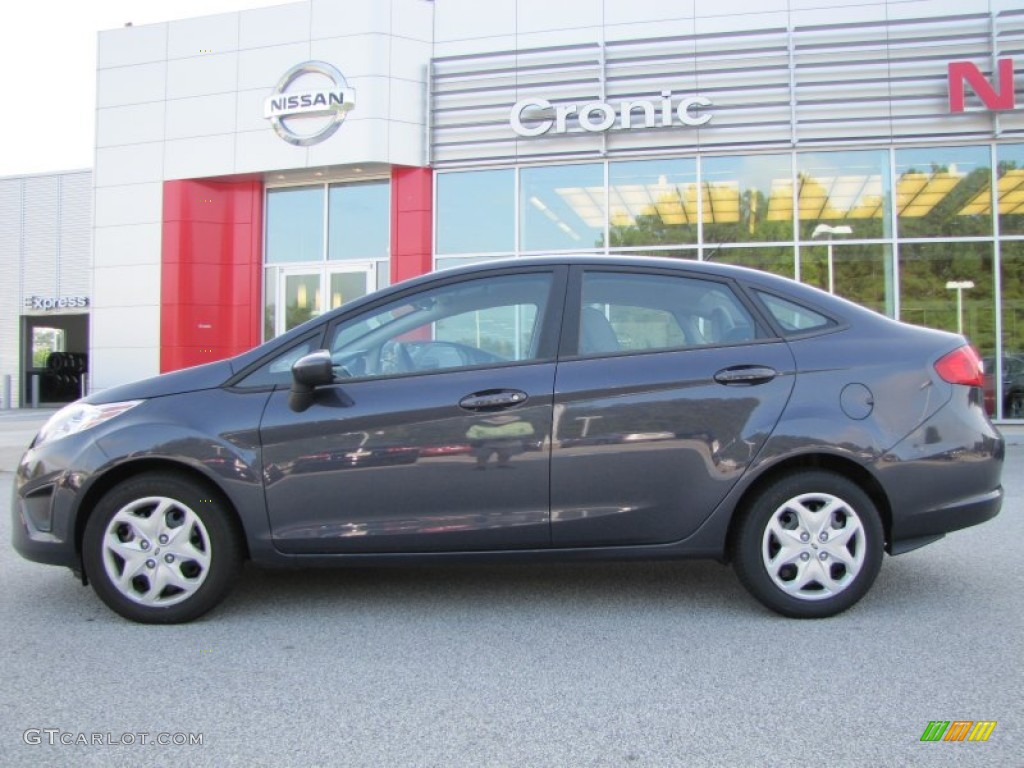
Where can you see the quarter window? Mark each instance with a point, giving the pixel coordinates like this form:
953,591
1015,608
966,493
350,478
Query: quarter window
794,318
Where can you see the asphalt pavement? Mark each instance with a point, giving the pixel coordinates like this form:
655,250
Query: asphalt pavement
622,664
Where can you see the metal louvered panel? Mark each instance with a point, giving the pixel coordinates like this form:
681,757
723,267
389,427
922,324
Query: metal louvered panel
40,241
10,270
812,85
75,268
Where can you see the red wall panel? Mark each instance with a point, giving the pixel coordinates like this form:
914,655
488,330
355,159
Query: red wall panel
412,218
211,264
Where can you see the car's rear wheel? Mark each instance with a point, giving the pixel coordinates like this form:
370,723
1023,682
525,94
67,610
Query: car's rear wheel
161,548
809,545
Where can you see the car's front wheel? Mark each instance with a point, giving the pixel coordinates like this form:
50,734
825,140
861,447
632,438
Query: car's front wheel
809,545
161,548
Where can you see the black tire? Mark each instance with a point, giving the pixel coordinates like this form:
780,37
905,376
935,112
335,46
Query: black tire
161,548
789,567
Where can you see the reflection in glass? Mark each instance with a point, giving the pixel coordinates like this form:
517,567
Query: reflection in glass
925,300
475,212
653,202
346,286
562,207
269,303
359,220
1012,260
844,188
1010,189
861,273
943,192
748,198
777,259
302,299
295,224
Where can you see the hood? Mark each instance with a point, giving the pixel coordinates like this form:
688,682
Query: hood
206,376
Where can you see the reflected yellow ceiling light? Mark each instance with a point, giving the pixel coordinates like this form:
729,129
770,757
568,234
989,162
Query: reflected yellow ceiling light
917,193
780,201
587,203
841,197
721,202
1009,187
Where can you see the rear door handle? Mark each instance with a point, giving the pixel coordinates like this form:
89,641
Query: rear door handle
745,375
493,400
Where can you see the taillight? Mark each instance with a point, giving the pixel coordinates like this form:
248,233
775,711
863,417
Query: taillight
962,366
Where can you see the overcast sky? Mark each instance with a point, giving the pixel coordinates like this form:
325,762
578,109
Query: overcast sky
48,55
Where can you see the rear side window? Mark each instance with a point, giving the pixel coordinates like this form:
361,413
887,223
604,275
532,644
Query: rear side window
639,313
794,318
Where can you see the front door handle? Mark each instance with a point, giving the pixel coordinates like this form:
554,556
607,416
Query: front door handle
493,400
745,375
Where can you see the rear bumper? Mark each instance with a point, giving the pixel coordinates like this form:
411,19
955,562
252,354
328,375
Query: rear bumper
944,476
933,524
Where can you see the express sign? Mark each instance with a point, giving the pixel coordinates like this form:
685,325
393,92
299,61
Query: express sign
50,303
535,117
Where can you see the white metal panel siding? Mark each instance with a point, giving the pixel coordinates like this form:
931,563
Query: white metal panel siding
40,241
771,88
10,279
45,250
74,271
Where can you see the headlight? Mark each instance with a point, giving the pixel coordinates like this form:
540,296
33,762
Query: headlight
78,417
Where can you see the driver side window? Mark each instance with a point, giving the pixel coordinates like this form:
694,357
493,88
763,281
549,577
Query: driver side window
486,321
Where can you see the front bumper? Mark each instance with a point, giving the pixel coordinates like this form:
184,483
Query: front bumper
45,501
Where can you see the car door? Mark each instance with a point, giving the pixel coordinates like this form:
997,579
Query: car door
435,435
667,387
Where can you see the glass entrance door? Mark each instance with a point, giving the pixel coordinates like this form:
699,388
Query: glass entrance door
305,292
348,282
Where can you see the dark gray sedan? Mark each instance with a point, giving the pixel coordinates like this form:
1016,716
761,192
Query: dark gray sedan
532,409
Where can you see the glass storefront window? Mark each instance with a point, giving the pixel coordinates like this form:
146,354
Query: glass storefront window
1010,188
295,224
860,273
359,220
925,299
747,198
562,207
269,303
653,202
476,212
844,189
943,192
1012,274
777,259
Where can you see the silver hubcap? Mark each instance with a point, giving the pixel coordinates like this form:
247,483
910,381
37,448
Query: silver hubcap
156,551
813,546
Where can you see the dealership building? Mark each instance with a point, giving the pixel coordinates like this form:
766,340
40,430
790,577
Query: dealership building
254,169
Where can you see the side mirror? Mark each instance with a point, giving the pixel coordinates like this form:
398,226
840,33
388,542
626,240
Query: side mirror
309,372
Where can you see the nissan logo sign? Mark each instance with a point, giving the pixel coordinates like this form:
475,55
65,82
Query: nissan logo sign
320,110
